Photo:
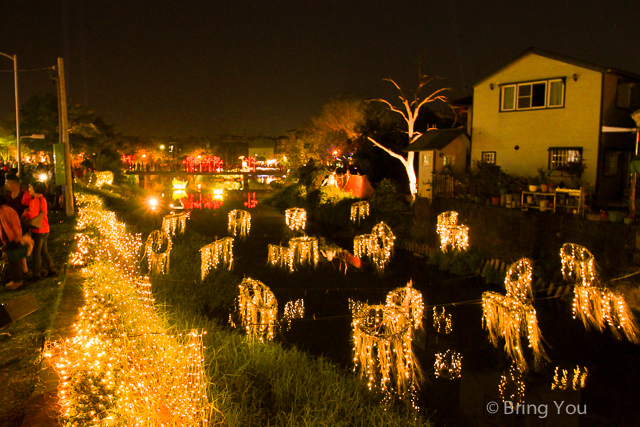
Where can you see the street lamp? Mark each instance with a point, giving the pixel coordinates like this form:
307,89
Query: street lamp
15,83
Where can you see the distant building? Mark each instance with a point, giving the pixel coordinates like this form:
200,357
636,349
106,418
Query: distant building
545,110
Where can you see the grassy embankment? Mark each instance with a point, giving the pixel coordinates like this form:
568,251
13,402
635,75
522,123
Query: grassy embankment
22,341
250,383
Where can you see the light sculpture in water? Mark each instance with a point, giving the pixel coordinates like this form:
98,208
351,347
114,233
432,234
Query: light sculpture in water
382,350
278,256
409,301
296,218
510,316
359,211
303,251
293,310
442,321
378,246
213,254
596,305
258,309
512,386
158,259
173,223
239,223
451,233
561,378
448,365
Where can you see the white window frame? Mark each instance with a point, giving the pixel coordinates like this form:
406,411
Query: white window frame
489,157
516,95
559,156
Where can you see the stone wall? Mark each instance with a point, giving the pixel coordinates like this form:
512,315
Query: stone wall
510,234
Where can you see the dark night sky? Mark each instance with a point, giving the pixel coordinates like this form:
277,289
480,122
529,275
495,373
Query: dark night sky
174,68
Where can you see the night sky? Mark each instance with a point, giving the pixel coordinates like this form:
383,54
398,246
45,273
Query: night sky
178,68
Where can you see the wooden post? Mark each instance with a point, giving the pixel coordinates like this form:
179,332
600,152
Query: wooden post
64,131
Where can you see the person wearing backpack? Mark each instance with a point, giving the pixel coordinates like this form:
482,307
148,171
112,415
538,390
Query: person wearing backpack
35,217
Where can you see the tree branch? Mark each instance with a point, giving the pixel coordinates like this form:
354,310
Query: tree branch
388,151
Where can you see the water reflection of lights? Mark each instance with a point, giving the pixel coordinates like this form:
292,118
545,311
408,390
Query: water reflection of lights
153,203
178,185
251,202
178,194
200,201
218,194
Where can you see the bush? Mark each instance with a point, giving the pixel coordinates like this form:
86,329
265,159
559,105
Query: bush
460,263
294,195
387,203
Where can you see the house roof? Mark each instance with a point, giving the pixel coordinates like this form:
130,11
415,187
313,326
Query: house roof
561,58
435,139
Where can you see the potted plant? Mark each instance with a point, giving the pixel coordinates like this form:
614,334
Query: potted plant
534,182
574,170
543,174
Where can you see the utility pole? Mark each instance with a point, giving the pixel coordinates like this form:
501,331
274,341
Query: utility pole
14,58
64,131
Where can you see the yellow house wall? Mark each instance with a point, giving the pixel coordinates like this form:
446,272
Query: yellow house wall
534,131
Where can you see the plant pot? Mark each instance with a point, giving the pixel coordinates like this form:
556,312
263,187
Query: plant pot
509,198
615,216
478,199
544,188
628,221
533,188
593,216
495,201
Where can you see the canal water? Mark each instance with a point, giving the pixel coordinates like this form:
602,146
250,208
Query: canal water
610,396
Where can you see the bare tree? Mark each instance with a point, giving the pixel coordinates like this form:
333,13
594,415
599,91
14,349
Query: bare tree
409,111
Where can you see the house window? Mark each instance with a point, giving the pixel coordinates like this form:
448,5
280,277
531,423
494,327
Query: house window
611,161
426,159
561,156
489,157
532,95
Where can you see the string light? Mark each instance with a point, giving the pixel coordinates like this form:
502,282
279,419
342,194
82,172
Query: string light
378,246
122,367
451,234
103,178
302,251
258,309
512,385
174,223
296,218
442,321
596,305
359,211
178,184
158,261
220,251
561,378
382,336
293,310
239,223
409,301
279,256
509,316
448,365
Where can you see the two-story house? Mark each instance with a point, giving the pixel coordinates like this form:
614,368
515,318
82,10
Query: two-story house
545,110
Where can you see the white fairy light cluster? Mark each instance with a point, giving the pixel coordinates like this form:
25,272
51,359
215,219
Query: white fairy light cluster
303,251
278,256
452,235
296,218
448,365
104,178
512,386
561,378
359,211
257,308
596,305
382,336
293,310
442,321
122,367
511,315
378,246
84,245
157,258
174,223
214,254
239,223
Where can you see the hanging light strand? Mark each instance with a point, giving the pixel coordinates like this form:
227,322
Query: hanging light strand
217,253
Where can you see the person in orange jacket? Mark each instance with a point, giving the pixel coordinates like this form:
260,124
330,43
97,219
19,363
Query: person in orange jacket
40,235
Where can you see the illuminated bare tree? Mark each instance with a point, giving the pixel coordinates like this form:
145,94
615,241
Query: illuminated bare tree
409,111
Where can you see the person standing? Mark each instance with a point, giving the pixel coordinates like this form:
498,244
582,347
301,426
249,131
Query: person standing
17,198
16,246
38,205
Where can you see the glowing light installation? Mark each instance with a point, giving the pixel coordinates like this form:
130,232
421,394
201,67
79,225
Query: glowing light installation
409,301
174,223
279,256
293,310
158,261
296,218
104,178
382,350
302,251
561,378
122,367
596,305
258,309
451,234
213,254
378,246
239,223
510,316
442,321
448,365
512,385
359,210
178,184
